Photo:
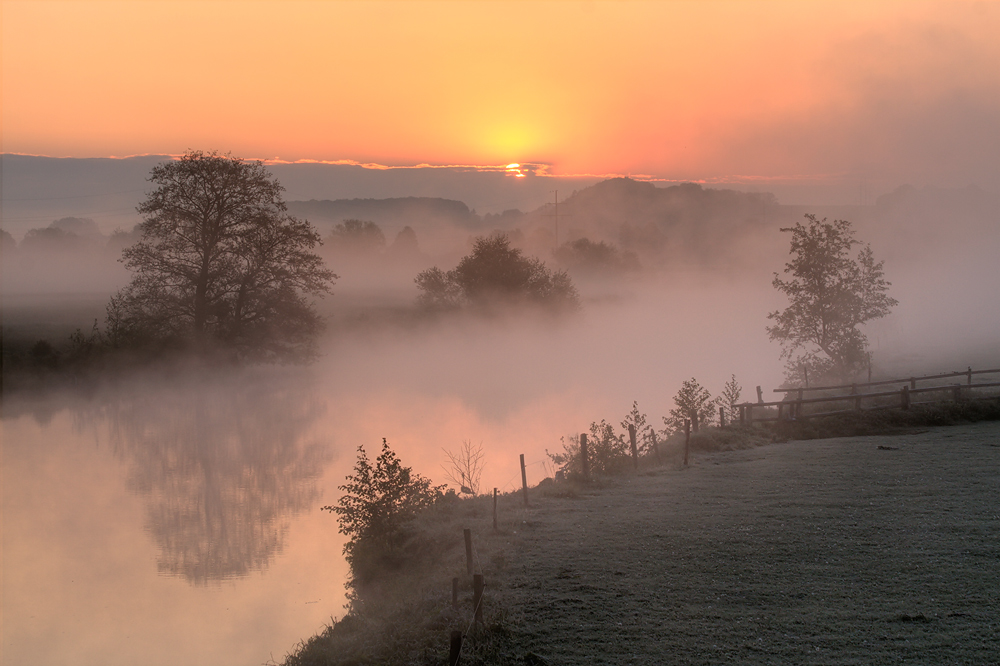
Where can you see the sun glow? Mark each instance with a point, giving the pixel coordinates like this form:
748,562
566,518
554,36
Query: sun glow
514,169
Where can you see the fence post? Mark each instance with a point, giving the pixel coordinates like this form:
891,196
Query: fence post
583,455
635,452
687,440
760,395
722,416
454,593
468,549
781,410
495,528
749,414
524,482
477,596
969,375
455,651
904,397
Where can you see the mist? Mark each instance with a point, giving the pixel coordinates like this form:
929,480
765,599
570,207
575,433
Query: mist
214,474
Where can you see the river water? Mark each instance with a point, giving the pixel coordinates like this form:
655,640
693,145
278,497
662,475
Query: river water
175,519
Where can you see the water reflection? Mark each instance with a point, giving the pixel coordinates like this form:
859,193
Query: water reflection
222,466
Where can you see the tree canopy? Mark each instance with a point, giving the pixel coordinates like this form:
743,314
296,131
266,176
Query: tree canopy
496,273
220,264
830,296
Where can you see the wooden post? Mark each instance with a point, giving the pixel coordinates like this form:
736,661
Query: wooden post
760,395
468,549
969,375
722,416
495,528
477,596
749,414
524,482
781,411
454,593
583,455
455,651
635,451
904,397
687,440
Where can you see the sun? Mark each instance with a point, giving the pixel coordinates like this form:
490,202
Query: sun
514,169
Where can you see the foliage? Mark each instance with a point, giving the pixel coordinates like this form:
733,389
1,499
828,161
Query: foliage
357,236
601,258
607,452
465,467
830,295
644,434
730,397
496,273
220,264
691,399
378,504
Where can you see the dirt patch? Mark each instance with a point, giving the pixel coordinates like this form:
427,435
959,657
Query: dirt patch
841,551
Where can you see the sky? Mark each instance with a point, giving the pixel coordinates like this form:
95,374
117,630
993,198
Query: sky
869,93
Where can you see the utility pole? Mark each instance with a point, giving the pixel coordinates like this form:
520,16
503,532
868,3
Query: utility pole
555,215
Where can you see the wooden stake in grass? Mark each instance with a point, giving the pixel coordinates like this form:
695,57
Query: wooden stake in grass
524,481
495,528
583,456
687,440
477,596
635,451
468,549
455,651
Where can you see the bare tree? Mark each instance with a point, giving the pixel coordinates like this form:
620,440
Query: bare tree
465,467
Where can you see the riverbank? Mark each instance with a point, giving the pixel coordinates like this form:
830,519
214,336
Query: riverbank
862,549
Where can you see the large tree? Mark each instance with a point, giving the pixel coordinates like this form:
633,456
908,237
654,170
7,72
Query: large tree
221,264
831,294
496,273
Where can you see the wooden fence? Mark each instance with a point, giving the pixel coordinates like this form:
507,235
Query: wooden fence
796,405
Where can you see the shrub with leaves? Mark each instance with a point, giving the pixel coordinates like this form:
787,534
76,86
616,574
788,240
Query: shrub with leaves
607,451
643,433
693,398
731,393
379,503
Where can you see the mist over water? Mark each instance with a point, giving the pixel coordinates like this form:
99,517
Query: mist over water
185,502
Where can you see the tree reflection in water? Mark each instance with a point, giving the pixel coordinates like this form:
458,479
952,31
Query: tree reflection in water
224,466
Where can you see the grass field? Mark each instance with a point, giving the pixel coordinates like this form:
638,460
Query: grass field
867,550
853,550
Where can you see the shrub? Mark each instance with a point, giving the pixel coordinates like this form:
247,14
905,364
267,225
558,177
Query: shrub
378,505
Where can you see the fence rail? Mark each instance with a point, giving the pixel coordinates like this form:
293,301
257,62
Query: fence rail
790,408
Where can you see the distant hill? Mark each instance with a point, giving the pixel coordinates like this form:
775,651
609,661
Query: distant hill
390,214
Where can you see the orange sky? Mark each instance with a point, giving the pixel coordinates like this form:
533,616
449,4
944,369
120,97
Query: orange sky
673,89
